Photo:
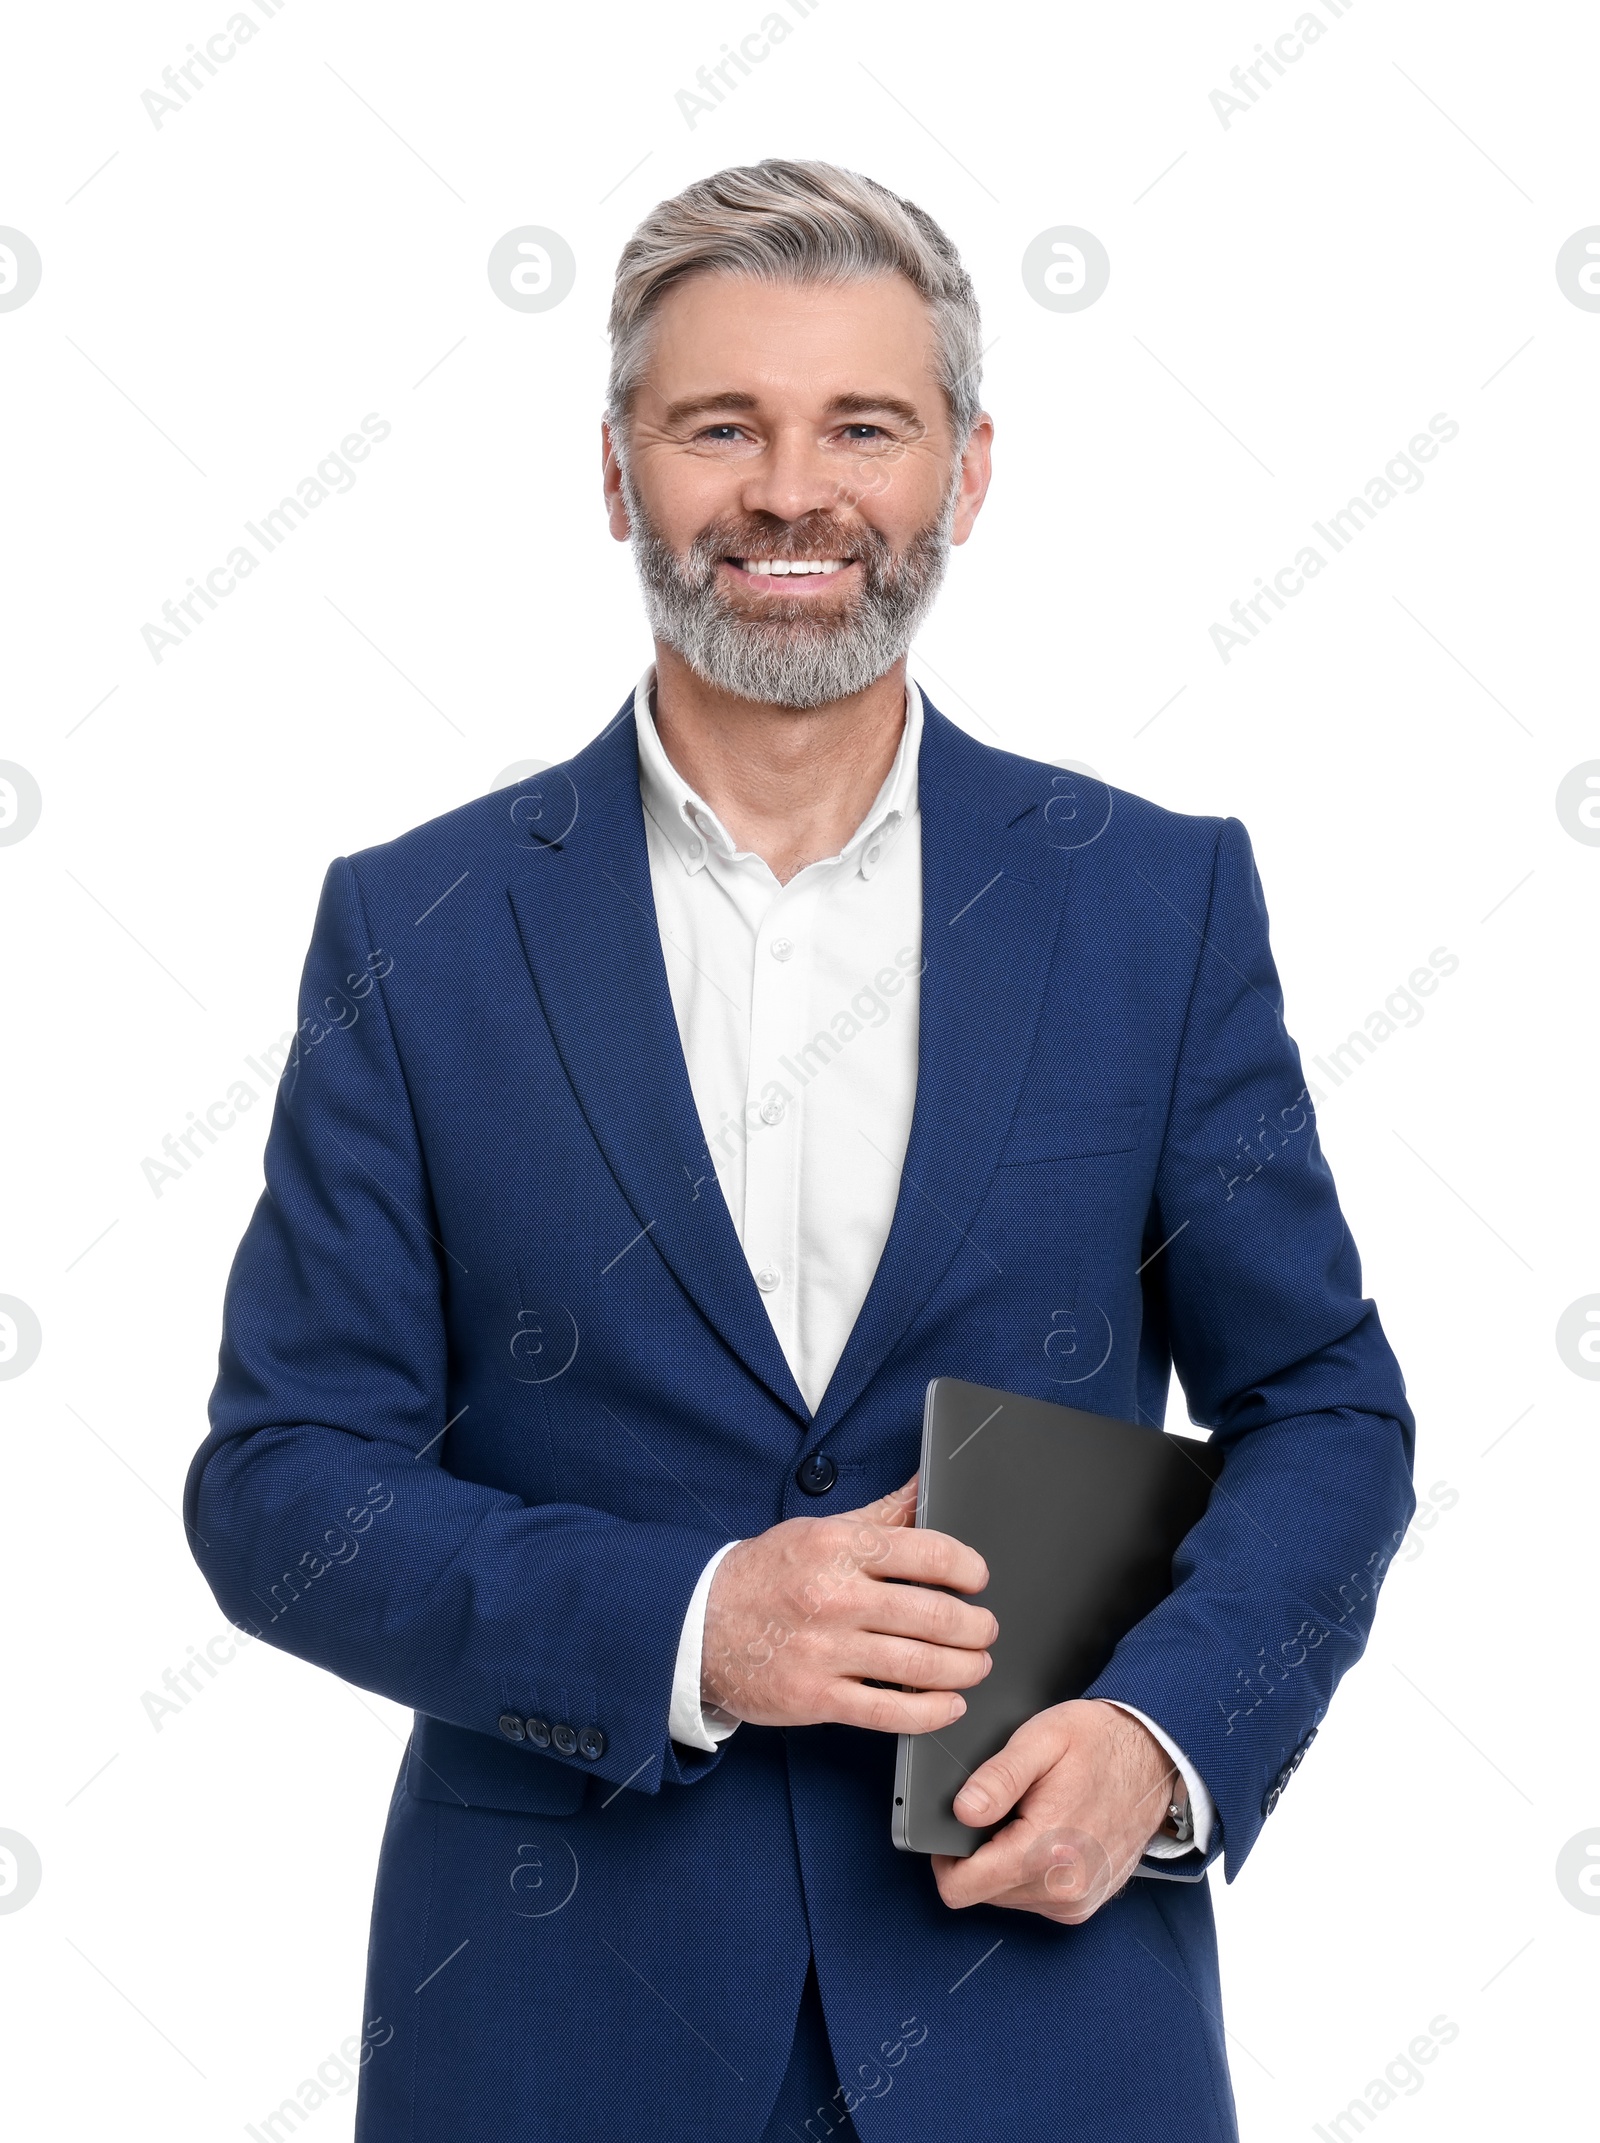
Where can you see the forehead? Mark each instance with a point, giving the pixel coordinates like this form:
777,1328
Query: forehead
807,343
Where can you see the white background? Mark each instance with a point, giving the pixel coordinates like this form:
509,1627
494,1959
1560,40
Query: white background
1292,297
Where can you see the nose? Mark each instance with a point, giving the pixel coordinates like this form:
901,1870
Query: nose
794,476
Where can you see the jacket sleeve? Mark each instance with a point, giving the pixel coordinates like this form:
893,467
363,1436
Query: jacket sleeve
319,1506
1284,1360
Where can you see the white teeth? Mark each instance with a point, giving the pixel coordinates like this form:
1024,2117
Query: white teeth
780,566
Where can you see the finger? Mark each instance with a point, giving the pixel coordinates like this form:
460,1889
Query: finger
1055,1869
897,1610
995,1869
893,1711
869,1655
929,1557
1069,1905
1070,1866
996,1786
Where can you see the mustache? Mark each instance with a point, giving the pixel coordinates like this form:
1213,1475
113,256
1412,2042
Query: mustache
794,654
787,540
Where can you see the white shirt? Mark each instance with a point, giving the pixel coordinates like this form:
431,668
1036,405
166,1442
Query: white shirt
797,1008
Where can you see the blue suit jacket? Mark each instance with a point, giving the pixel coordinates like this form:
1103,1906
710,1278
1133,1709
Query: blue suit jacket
495,1380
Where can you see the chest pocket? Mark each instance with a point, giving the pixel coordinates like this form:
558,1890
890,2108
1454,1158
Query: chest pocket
1073,1134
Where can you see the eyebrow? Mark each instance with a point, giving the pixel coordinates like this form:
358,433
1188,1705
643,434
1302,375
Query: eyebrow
842,405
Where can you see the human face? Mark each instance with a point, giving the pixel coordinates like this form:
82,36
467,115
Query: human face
793,426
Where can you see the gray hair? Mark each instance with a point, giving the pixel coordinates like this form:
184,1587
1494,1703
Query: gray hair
791,222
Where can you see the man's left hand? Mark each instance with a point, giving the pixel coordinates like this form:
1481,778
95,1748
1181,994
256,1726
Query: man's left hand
1090,1786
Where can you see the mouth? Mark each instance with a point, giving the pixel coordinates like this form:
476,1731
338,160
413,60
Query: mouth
803,577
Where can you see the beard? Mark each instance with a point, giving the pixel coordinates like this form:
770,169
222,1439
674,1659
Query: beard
794,653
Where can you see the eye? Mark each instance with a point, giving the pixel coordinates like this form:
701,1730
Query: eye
719,433
863,431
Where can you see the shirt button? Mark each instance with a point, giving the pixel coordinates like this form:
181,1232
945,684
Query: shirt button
782,948
694,848
771,1111
872,854
766,1279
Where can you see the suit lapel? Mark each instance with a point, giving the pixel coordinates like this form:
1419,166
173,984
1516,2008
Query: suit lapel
587,918
994,887
993,890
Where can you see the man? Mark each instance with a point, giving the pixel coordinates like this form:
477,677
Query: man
655,1131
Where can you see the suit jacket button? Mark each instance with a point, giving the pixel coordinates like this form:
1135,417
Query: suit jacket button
539,1733
511,1726
564,1738
816,1474
592,1743
1272,1800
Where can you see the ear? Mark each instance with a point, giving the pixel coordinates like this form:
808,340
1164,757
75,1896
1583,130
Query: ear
975,472
611,483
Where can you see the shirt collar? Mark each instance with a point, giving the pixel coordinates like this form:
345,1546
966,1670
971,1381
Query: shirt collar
695,831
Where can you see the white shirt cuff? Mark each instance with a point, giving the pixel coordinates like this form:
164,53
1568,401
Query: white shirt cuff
688,1721
1201,1805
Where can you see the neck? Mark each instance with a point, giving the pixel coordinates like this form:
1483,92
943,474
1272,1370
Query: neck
791,784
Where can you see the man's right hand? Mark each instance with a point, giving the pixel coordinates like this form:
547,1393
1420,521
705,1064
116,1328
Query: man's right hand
801,1618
